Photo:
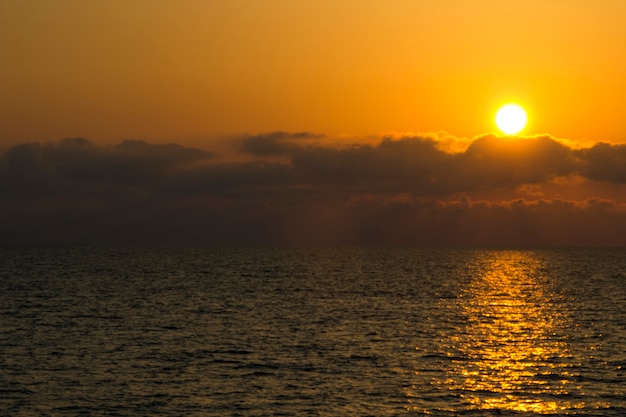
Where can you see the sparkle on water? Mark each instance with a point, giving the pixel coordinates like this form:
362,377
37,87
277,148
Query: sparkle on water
513,333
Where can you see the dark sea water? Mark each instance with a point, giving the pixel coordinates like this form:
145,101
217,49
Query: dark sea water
91,331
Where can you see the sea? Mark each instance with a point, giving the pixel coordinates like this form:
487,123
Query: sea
204,331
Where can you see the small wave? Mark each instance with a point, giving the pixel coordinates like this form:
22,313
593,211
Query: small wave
257,366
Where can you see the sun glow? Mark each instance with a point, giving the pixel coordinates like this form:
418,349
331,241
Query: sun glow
511,119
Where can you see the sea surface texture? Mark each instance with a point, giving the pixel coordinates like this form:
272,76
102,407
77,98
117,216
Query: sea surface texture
92,331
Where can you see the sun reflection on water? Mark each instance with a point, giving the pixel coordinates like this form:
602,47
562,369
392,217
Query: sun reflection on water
511,344
510,350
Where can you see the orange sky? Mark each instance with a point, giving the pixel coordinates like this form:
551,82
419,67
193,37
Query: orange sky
192,70
312,122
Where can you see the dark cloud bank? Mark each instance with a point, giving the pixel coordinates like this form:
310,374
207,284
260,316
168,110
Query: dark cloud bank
294,189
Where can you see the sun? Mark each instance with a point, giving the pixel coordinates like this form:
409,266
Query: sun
511,119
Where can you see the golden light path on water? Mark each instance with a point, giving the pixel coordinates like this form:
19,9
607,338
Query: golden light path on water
512,352
510,338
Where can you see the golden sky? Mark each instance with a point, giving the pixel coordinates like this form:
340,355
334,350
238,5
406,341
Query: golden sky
193,69
282,121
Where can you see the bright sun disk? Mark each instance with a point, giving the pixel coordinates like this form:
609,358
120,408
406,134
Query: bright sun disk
511,119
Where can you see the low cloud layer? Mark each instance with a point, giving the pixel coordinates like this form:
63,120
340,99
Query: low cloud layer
303,188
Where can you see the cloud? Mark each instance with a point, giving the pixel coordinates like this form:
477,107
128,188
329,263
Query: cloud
405,164
491,223
276,143
400,190
604,162
129,161
491,162
79,163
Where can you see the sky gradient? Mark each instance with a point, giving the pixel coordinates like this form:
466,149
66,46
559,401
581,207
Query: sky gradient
320,122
